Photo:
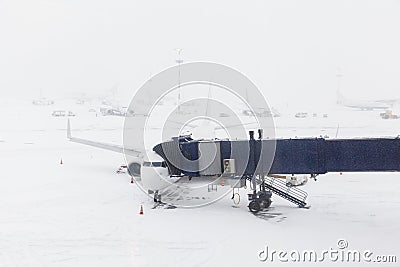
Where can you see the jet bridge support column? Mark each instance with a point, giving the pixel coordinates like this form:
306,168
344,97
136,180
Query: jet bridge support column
251,162
261,199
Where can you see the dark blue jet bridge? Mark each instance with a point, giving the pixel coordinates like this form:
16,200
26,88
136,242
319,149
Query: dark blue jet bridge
313,156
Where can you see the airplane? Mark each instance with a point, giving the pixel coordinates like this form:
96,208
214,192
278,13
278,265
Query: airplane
153,174
362,105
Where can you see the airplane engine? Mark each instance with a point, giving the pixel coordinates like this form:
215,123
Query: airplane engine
134,169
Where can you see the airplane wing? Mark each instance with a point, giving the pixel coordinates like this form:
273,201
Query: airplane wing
112,147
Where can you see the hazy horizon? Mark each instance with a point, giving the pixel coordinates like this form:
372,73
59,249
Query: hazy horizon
292,50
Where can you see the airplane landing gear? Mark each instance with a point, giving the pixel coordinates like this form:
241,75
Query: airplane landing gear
157,197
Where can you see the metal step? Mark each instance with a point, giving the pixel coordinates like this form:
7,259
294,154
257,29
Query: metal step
292,194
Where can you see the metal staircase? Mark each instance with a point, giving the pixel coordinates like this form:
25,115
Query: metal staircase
290,193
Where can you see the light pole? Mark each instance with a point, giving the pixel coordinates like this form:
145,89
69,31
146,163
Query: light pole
339,76
179,61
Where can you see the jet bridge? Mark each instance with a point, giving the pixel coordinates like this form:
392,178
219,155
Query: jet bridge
292,156
312,156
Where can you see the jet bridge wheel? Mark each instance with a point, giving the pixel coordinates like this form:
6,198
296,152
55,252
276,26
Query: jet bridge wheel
254,206
266,203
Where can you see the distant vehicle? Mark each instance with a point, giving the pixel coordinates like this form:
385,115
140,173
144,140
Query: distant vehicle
248,112
62,113
108,111
127,112
262,112
296,180
325,115
301,115
42,102
388,114
58,113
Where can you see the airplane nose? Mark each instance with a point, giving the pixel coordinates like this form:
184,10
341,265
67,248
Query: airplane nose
159,172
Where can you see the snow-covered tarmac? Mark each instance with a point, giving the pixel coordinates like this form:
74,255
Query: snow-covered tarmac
82,213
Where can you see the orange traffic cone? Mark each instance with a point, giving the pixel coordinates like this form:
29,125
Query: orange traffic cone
141,210
61,161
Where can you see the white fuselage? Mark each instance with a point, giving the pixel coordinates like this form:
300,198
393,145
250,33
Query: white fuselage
154,178
154,173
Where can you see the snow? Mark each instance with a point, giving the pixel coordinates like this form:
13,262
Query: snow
82,213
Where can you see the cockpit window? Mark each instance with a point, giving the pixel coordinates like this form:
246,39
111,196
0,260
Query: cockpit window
155,164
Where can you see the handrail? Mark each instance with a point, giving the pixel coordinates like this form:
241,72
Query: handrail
291,191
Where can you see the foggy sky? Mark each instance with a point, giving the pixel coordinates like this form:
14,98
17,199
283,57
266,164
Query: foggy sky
291,49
